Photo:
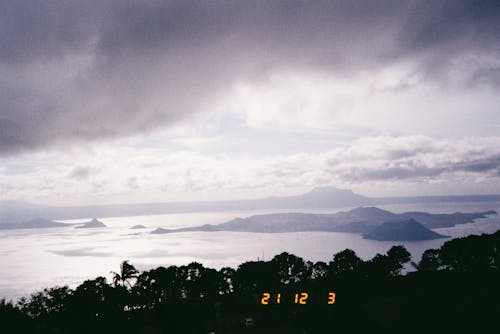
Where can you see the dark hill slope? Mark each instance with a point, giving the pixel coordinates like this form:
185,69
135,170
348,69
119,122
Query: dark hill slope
406,230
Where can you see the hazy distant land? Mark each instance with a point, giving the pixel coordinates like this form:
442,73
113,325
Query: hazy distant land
39,223
372,222
32,223
318,198
138,227
94,223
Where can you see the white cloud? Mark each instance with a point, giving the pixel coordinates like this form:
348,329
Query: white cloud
375,166
393,100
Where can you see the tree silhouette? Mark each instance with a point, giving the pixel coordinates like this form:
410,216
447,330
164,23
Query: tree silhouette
125,276
226,280
389,264
46,302
397,256
253,276
345,263
318,270
91,298
12,318
431,261
290,268
199,282
471,253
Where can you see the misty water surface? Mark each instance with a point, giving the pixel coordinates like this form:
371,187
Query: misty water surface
34,259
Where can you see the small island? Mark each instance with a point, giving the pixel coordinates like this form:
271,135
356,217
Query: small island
94,223
161,230
406,230
137,227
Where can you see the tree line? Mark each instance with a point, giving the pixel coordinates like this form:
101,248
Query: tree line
196,299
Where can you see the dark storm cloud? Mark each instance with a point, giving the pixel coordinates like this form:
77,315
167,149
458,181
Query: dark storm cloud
41,29
445,30
78,70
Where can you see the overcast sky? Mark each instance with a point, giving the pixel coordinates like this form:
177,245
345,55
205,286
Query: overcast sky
138,101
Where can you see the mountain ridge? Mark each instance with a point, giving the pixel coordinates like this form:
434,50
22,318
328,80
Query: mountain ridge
317,198
362,220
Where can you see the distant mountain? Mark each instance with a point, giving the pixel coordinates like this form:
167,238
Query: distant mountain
321,197
405,230
94,223
359,220
32,223
325,197
317,198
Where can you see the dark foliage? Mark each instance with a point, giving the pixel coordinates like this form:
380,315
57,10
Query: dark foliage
455,289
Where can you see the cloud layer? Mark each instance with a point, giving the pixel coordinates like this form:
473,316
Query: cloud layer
373,166
75,72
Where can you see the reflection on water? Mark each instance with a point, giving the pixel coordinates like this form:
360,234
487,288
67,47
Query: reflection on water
34,259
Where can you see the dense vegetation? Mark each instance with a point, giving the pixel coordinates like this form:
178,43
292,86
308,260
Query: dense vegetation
454,288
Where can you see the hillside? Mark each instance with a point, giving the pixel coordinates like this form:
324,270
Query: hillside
406,230
359,220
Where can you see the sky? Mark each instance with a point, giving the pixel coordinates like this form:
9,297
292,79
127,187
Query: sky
107,102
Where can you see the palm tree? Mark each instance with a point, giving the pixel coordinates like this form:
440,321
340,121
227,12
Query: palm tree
127,273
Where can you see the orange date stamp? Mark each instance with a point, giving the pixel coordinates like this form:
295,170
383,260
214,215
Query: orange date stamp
299,298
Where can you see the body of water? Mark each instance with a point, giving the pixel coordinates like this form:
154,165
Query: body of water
32,259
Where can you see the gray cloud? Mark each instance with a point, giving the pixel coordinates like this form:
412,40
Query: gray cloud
81,172
487,164
79,71
391,173
79,252
408,158
132,183
367,163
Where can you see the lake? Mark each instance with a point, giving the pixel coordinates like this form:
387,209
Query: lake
32,259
